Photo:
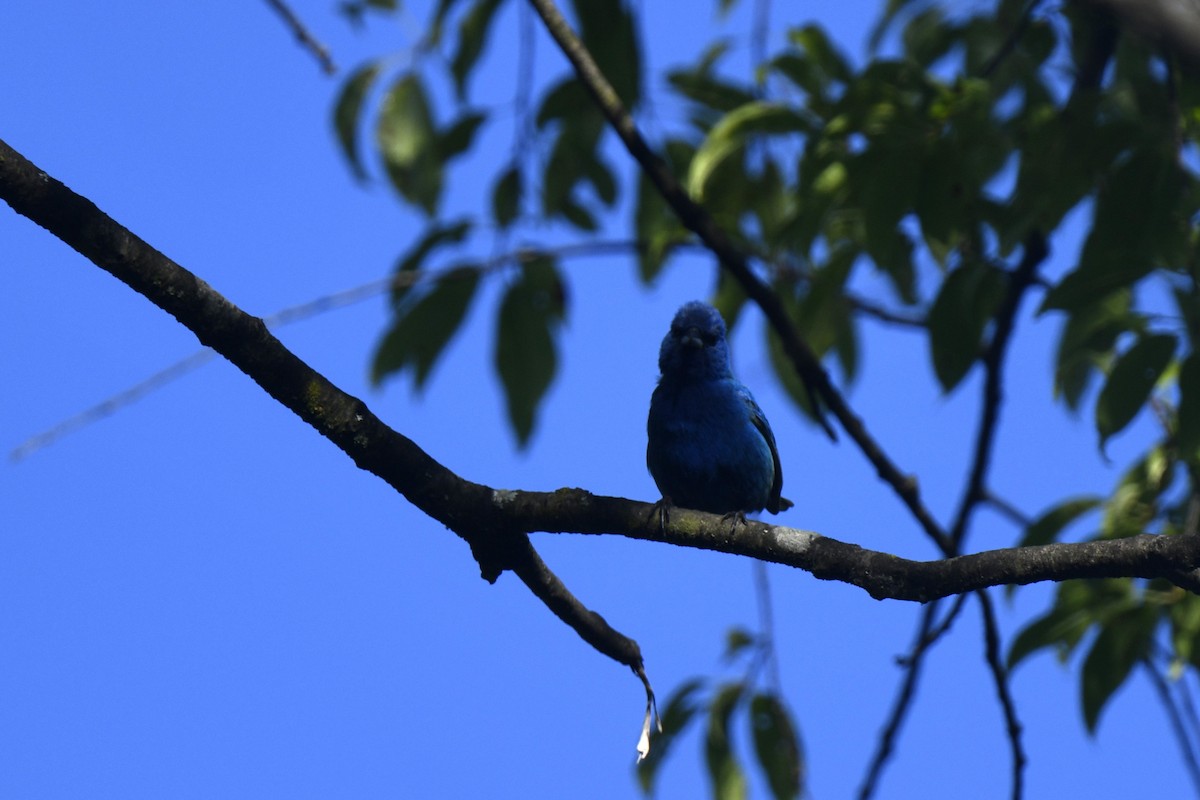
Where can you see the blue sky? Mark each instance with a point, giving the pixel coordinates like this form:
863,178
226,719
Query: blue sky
200,597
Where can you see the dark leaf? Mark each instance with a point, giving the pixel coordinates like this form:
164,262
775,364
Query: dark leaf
530,314
728,781
422,330
506,197
472,34
456,139
609,32
737,640
436,236
679,710
1129,384
1188,434
965,305
1122,642
348,111
777,746
1086,340
1046,528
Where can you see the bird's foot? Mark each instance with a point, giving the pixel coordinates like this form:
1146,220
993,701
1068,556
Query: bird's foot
733,518
663,510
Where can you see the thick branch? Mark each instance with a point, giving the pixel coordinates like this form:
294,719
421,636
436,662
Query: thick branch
465,507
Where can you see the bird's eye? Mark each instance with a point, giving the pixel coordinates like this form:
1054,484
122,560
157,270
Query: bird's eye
708,337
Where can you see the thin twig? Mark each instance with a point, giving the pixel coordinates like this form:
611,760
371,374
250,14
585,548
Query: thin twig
331,302
995,662
904,698
1186,746
306,39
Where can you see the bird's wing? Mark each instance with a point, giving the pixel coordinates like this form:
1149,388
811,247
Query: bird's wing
759,419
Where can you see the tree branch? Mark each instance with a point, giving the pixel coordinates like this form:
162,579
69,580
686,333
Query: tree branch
695,218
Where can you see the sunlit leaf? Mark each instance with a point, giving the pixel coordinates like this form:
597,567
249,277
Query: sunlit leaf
348,111
730,134
407,140
531,313
777,746
1129,384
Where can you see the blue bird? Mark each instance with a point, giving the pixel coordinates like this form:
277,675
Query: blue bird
710,447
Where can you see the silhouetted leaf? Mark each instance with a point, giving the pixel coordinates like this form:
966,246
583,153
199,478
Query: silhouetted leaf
1129,384
1046,528
1088,337
966,303
608,31
422,330
1188,434
1122,642
777,746
348,111
472,32
435,236
737,640
456,139
679,710
531,312
728,781
506,197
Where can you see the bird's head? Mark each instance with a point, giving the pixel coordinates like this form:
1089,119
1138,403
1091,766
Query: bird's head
695,346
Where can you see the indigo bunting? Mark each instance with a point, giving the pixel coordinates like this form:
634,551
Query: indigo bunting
710,447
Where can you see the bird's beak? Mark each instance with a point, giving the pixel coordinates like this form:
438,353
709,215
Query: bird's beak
692,338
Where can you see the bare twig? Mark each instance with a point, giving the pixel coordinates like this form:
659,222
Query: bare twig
306,39
1187,747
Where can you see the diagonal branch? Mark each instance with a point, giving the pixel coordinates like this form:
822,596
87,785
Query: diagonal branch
466,508
696,219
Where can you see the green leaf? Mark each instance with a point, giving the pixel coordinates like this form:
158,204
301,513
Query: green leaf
1053,628
456,139
730,134
436,236
506,197
531,312
1135,228
965,305
1135,502
777,746
609,32
472,33
422,330
813,40
1122,642
1130,383
407,140
737,640
1188,433
348,110
728,781
1046,528
680,709
1089,336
